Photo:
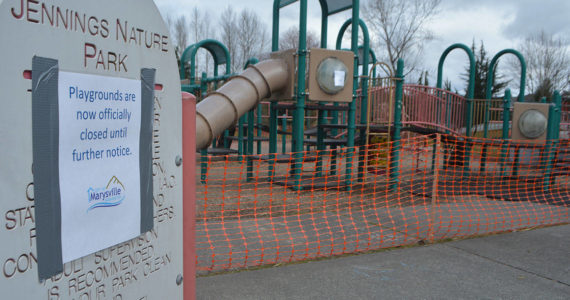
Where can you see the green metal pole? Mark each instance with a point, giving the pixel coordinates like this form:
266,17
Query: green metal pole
549,152
558,104
335,114
352,105
240,137
395,151
253,61
364,101
272,108
259,124
299,115
321,113
506,113
320,140
552,135
203,85
272,139
447,114
203,165
275,26
250,122
215,73
284,136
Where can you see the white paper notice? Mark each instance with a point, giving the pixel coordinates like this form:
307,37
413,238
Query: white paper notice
99,129
339,78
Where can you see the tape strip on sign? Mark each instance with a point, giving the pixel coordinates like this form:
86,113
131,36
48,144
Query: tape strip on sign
92,147
45,127
145,148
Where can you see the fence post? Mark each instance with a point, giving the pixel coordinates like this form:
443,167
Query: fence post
434,188
189,194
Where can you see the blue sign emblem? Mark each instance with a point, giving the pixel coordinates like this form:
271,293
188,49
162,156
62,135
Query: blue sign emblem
111,195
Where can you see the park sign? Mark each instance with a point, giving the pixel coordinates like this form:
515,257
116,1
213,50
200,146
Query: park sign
90,154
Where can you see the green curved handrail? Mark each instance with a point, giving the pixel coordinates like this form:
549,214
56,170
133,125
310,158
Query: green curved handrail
469,98
471,84
190,54
343,29
491,79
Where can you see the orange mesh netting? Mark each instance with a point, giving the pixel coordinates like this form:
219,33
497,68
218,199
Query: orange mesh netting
268,209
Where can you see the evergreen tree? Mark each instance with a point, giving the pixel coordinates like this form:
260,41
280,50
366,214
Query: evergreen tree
447,85
423,79
544,89
482,63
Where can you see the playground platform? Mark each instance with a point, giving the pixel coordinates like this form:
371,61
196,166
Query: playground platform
529,264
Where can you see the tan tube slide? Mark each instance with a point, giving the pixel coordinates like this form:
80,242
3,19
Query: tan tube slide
222,108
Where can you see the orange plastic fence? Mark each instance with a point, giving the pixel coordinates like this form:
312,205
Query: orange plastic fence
251,211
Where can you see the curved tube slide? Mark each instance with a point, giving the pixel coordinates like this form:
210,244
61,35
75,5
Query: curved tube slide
222,108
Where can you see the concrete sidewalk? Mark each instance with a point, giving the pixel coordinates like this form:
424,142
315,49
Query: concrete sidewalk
533,264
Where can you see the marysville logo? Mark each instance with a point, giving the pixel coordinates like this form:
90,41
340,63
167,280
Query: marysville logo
111,195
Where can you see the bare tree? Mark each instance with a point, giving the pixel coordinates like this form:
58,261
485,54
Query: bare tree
399,28
548,64
253,37
229,34
244,35
181,35
200,30
290,39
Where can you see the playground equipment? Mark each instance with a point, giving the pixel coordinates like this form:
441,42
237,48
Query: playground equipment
328,8
221,56
234,106
205,84
422,110
440,184
223,108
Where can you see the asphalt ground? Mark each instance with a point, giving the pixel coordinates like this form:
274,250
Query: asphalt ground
529,264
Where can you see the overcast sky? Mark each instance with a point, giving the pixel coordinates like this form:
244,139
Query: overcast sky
499,24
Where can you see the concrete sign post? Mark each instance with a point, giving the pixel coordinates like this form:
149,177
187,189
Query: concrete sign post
91,178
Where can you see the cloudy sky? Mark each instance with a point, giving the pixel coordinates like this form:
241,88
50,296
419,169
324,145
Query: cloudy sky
499,24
